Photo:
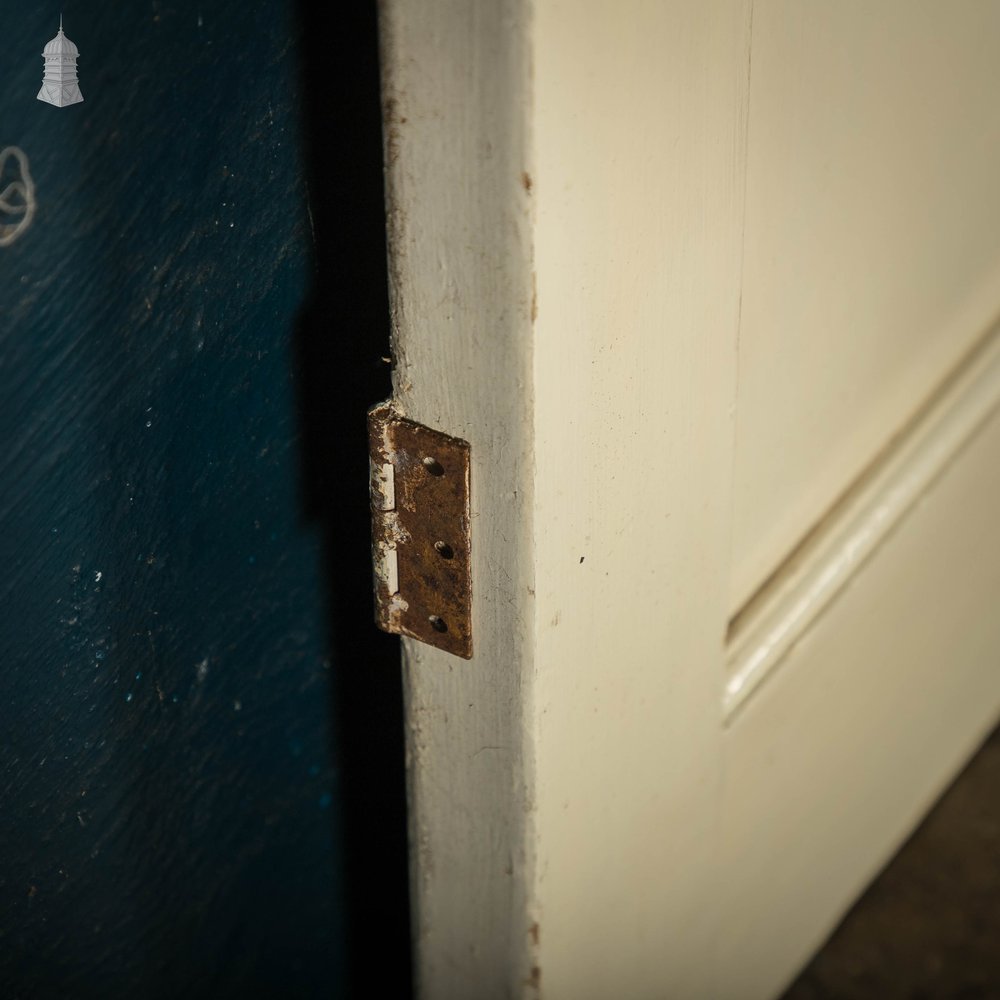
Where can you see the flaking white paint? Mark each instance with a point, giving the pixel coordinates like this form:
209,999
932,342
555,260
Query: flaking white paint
457,105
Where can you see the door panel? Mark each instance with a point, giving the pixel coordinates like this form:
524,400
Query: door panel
871,262
894,686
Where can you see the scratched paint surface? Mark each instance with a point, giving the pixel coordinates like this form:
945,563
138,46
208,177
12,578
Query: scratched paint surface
168,820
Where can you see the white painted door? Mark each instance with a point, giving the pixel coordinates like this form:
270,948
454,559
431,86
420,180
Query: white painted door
708,287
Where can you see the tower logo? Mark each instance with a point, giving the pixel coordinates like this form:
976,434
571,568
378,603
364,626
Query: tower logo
59,85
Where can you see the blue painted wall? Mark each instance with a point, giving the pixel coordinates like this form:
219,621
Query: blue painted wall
200,758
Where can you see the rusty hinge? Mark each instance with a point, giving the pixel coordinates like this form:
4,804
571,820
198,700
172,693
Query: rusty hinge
420,531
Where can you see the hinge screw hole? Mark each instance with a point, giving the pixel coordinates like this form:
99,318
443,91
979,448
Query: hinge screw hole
433,466
444,550
438,623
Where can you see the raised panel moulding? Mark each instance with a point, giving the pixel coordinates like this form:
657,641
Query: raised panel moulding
777,616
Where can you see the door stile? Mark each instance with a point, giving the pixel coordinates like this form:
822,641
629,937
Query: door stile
457,100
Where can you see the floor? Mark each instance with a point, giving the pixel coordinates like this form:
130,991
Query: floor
929,926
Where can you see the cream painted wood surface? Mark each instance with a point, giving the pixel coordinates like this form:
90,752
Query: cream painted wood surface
594,814
872,262
639,129
838,756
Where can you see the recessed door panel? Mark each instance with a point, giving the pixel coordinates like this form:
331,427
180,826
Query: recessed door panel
871,251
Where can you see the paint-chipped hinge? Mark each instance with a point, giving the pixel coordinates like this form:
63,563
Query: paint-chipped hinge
420,531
